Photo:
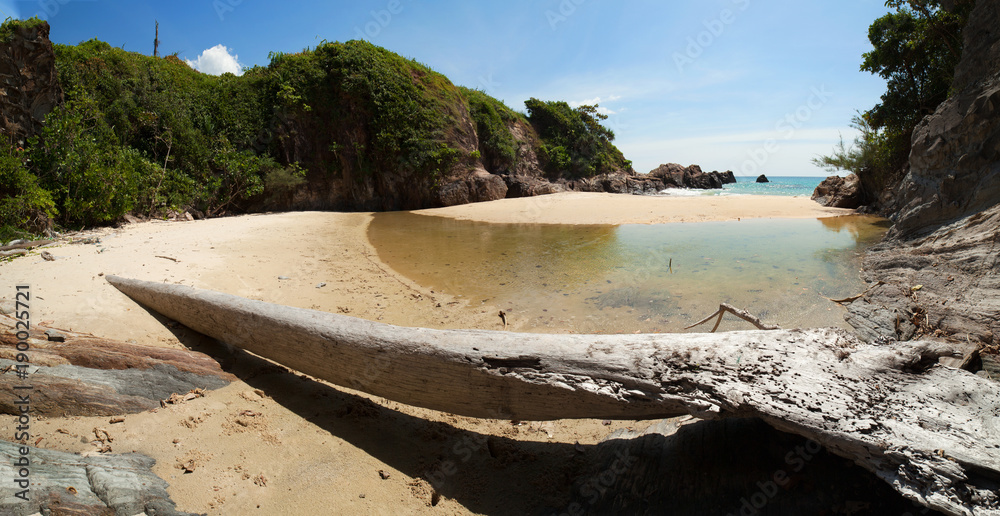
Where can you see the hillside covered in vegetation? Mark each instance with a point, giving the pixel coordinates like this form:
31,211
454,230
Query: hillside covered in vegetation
340,126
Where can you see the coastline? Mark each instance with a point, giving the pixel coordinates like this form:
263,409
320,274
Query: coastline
342,437
616,209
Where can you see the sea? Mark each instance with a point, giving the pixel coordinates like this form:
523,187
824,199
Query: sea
779,185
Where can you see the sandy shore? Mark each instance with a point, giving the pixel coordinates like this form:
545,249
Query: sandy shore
605,208
318,449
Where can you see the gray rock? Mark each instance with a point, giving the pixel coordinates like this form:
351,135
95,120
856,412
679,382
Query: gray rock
839,192
68,483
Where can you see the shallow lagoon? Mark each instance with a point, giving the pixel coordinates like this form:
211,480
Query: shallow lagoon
645,278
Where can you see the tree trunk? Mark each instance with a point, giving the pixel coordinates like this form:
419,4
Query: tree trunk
930,431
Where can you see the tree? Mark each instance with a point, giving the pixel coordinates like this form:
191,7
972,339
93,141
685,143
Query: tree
915,49
573,140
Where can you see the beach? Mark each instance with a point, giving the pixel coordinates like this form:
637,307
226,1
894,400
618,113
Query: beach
606,208
316,448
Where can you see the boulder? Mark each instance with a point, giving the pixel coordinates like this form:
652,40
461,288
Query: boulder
676,176
528,186
480,186
762,179
484,187
839,192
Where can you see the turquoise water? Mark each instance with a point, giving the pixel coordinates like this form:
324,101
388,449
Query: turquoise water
648,278
779,185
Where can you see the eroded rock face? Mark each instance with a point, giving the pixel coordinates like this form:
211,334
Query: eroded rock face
479,186
84,375
839,192
29,88
955,160
939,271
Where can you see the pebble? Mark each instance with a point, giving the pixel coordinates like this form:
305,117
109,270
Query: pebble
284,278
320,285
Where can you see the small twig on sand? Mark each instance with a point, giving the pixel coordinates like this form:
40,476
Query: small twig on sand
503,317
169,258
742,314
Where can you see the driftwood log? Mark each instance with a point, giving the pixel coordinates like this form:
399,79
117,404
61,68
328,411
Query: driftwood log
931,432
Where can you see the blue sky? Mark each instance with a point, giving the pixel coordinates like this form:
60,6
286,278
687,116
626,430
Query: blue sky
743,85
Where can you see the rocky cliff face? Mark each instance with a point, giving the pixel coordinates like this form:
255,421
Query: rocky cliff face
955,160
28,85
939,271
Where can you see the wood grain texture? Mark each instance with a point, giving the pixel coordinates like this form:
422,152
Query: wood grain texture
930,431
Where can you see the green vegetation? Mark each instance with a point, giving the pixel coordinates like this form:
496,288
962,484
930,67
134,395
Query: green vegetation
10,25
916,49
493,119
574,143
145,135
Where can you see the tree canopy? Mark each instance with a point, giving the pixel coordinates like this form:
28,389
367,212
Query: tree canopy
915,49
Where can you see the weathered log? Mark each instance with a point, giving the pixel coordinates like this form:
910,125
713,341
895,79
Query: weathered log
930,431
67,483
26,245
82,375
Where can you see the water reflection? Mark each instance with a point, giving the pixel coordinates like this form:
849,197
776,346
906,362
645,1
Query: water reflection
634,277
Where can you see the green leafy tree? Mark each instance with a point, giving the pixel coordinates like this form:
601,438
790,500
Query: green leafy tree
25,207
915,49
574,143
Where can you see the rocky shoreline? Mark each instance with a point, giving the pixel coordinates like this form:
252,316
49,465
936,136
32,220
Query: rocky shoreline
665,177
938,271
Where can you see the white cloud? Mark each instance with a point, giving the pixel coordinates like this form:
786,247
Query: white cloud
217,61
596,100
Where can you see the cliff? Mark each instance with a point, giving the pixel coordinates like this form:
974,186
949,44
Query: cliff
28,86
955,158
938,273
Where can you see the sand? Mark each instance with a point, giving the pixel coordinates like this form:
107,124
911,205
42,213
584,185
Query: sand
313,448
605,208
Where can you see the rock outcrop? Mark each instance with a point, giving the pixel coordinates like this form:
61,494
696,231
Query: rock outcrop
762,179
955,157
677,176
839,192
70,484
77,374
29,88
938,272
479,186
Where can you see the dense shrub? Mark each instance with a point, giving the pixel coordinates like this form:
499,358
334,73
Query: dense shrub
24,205
497,146
574,143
